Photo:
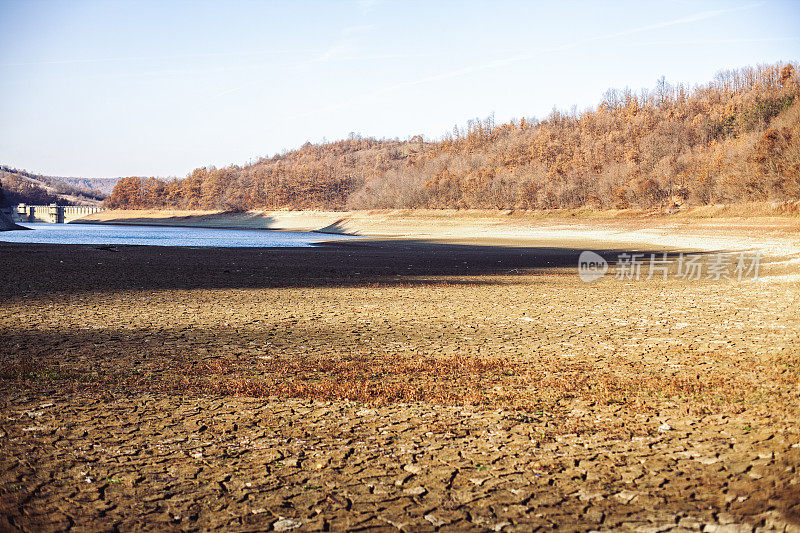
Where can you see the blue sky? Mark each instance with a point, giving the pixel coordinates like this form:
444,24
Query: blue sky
116,88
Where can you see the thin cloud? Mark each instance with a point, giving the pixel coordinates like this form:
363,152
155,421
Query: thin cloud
720,41
368,5
697,17
344,49
335,52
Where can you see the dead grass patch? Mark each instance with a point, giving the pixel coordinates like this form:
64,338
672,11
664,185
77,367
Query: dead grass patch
387,378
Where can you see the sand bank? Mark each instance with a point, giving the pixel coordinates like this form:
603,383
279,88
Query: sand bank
774,235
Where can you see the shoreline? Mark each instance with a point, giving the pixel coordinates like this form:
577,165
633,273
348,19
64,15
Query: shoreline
773,235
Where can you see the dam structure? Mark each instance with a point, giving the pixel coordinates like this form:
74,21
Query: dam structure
54,214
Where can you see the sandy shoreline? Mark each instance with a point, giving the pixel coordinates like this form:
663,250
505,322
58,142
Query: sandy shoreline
775,235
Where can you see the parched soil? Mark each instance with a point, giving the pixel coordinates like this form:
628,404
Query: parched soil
391,385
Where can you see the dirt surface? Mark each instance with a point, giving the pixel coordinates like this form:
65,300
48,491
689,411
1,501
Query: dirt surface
391,385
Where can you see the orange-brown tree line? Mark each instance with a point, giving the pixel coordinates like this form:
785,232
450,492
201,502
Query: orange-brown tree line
734,139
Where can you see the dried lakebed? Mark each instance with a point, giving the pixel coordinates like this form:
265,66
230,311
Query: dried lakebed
390,386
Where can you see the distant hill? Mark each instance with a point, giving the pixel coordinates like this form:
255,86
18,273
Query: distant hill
21,186
734,139
100,185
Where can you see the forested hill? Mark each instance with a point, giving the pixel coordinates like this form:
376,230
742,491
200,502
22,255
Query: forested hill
98,186
21,186
734,139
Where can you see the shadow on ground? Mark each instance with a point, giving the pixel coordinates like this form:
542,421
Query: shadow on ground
28,269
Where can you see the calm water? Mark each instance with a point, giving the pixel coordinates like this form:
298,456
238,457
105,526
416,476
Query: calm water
161,236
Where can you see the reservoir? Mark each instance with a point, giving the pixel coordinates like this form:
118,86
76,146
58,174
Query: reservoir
45,233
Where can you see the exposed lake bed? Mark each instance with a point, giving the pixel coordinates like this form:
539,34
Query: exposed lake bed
368,382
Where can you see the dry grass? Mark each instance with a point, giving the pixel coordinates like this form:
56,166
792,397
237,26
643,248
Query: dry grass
383,379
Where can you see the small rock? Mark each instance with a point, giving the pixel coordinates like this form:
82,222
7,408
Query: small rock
412,468
586,496
484,522
437,522
273,455
381,489
415,491
652,528
689,523
727,528
400,526
366,412
626,495
594,515
285,524
663,428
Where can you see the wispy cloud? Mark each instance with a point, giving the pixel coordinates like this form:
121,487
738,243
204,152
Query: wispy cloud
501,62
697,17
337,51
345,48
368,5
719,41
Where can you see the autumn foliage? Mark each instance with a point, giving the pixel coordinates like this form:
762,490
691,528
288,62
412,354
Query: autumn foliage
735,139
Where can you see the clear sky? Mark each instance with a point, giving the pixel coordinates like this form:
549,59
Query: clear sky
116,88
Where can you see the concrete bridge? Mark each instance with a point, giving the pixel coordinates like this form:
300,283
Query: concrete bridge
54,214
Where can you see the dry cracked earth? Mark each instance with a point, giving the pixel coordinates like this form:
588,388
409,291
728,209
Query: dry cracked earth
391,386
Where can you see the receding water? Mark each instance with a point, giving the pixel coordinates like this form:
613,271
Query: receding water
162,236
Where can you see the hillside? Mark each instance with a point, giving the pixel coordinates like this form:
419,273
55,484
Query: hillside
735,139
20,186
98,186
